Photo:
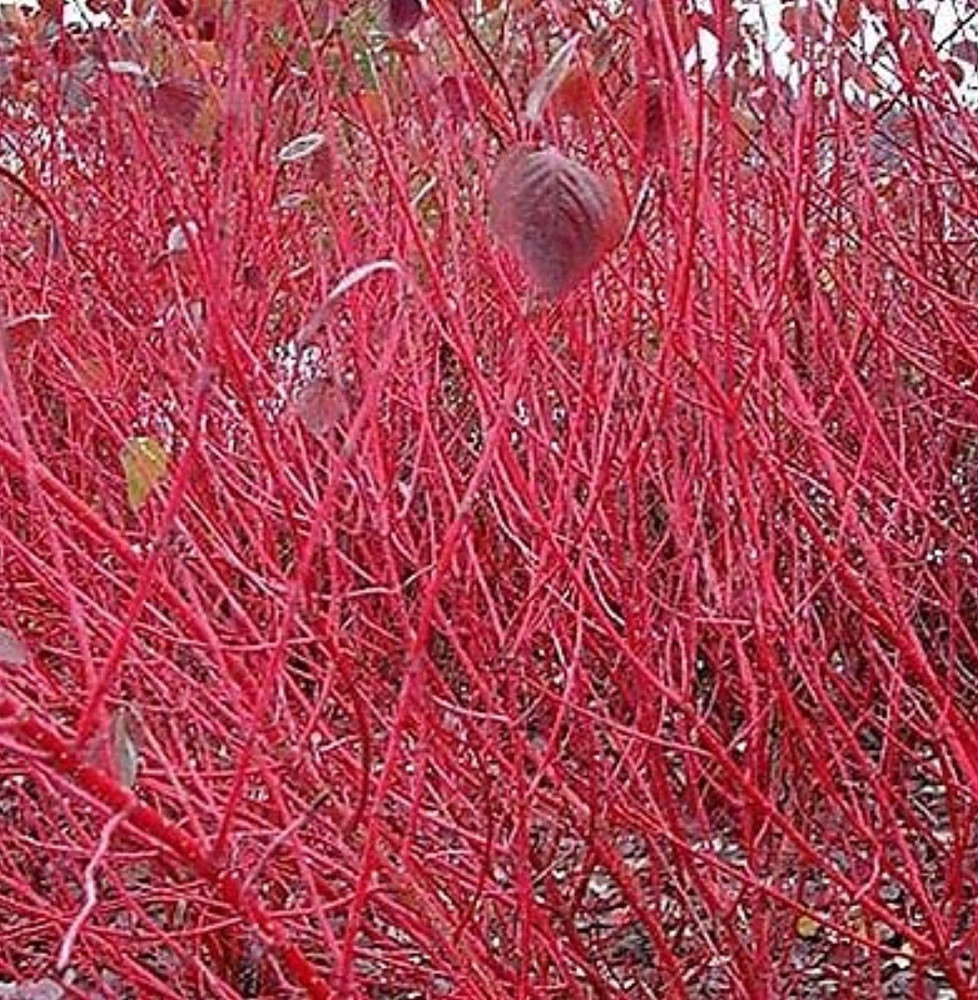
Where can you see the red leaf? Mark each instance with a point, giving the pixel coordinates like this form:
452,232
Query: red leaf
643,118
403,16
179,101
848,13
574,96
403,47
966,50
321,405
551,78
954,70
557,216
457,93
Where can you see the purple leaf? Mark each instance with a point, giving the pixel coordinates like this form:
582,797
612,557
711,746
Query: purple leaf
557,216
403,16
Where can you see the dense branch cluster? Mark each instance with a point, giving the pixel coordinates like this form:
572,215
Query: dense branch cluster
373,625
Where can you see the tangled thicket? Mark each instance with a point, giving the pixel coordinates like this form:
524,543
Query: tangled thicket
373,626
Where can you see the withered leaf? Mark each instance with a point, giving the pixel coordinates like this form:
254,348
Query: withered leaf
12,650
123,749
553,75
301,147
144,463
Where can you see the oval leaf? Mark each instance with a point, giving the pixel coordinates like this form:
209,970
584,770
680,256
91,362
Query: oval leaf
321,405
179,101
300,148
403,16
144,462
555,215
551,78
12,650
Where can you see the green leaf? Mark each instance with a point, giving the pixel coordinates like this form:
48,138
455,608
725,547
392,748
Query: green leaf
144,462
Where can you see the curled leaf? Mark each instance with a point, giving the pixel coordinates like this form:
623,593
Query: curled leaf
643,118
557,216
144,462
954,70
123,750
312,325
38,989
179,236
123,67
551,78
12,650
358,274
300,148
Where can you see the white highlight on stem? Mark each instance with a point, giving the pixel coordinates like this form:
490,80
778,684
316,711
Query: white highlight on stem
91,890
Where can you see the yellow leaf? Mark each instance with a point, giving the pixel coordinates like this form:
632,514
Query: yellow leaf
807,927
144,462
93,374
